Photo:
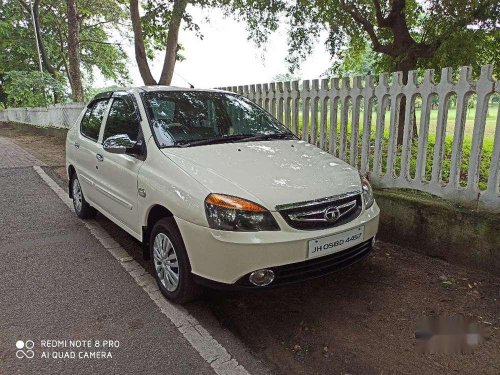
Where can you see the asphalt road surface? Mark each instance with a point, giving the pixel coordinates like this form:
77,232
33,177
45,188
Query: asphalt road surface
63,295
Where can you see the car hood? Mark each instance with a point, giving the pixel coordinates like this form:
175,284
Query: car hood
270,173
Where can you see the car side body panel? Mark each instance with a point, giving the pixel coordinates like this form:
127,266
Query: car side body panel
167,185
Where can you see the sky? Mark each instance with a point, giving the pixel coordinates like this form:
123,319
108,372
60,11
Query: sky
226,58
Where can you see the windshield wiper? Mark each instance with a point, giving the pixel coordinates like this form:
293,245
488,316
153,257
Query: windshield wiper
265,137
211,141
235,138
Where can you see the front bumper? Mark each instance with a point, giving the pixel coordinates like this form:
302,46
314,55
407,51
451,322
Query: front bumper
314,268
228,257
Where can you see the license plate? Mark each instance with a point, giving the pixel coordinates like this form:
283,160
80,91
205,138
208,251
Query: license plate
337,242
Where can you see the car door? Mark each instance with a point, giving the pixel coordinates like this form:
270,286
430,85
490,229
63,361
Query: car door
87,148
117,184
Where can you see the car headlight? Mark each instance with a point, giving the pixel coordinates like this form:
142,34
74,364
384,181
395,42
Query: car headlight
225,212
367,192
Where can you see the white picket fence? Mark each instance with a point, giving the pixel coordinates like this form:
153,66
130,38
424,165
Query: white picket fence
346,117
58,116
331,113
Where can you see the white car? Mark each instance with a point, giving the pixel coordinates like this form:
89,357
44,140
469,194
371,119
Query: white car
218,191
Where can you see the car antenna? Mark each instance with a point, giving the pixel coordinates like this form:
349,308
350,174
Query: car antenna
185,80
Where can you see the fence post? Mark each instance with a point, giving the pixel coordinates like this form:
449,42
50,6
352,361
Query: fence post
395,95
356,97
484,88
368,93
463,92
334,100
410,94
427,92
305,95
314,98
444,90
381,92
288,104
344,116
279,98
491,197
323,100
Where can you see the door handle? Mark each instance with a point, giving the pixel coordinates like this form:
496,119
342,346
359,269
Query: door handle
77,145
99,157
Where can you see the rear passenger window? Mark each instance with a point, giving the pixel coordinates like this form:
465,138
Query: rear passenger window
92,119
123,118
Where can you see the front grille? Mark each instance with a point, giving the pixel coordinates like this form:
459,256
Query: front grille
321,214
316,267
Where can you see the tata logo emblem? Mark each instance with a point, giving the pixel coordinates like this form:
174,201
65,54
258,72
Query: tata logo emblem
331,214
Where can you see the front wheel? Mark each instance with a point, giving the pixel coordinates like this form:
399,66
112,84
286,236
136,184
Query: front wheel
82,209
171,263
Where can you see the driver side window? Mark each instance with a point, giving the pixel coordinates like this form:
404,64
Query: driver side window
123,118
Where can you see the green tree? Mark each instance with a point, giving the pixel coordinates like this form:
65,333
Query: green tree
403,34
30,88
99,23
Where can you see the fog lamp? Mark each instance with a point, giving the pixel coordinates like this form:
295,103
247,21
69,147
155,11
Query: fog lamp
262,277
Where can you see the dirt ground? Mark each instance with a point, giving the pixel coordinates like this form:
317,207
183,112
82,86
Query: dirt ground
358,321
47,145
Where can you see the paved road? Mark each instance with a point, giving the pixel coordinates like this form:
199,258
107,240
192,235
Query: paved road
57,282
13,156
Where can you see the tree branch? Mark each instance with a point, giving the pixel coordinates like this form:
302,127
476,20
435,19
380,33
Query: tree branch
368,27
172,42
381,20
140,50
103,23
63,58
43,50
25,5
99,42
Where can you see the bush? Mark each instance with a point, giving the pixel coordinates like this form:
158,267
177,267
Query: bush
31,88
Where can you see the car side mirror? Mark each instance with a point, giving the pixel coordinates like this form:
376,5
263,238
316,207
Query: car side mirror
120,144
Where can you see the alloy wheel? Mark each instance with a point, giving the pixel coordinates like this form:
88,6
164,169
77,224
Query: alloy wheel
77,195
166,262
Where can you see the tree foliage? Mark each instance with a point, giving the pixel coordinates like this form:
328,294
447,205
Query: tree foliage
367,36
30,88
99,21
390,34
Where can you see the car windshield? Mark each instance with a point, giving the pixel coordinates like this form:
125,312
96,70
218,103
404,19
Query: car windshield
192,118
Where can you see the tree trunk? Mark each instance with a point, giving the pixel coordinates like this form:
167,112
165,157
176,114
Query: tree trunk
74,52
43,51
405,66
172,42
140,50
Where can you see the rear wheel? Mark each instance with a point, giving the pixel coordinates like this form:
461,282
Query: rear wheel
171,263
82,209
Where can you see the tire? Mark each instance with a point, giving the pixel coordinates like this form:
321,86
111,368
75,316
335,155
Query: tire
171,266
82,209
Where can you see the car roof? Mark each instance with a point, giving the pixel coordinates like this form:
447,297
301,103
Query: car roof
174,88
108,94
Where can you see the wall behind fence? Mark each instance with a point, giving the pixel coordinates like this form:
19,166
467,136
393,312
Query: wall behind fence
59,115
356,120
